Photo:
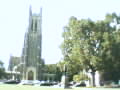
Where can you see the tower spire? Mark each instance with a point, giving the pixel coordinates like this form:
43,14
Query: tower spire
41,11
41,30
30,10
30,16
41,15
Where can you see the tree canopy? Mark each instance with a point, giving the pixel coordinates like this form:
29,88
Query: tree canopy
92,45
2,70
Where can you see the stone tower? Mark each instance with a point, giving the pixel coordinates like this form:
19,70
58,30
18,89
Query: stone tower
31,54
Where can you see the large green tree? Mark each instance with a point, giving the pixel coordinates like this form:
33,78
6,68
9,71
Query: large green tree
92,44
110,48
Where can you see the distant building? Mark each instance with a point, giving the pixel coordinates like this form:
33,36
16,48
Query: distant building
13,62
31,61
13,68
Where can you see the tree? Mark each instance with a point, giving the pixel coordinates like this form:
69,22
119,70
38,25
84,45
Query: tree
80,77
92,44
53,69
72,67
83,47
50,68
110,52
111,56
2,70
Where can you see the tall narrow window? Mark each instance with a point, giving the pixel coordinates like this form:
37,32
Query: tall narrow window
35,25
32,25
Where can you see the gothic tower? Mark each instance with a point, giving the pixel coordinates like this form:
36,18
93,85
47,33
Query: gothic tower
31,54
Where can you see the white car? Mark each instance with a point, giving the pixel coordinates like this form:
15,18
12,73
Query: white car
26,82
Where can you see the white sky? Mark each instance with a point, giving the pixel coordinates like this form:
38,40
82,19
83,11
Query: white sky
14,16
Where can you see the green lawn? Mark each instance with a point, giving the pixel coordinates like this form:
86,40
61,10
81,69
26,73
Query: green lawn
25,87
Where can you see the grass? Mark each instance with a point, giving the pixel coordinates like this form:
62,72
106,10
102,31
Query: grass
25,87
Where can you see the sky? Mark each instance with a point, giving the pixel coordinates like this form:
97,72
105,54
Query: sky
14,15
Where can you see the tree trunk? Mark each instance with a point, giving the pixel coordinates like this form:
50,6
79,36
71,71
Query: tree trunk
93,78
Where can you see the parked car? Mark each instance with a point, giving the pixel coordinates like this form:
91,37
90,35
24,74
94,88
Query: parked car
46,84
82,84
12,82
29,82
26,82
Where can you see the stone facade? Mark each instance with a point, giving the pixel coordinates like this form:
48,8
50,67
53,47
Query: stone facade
31,61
